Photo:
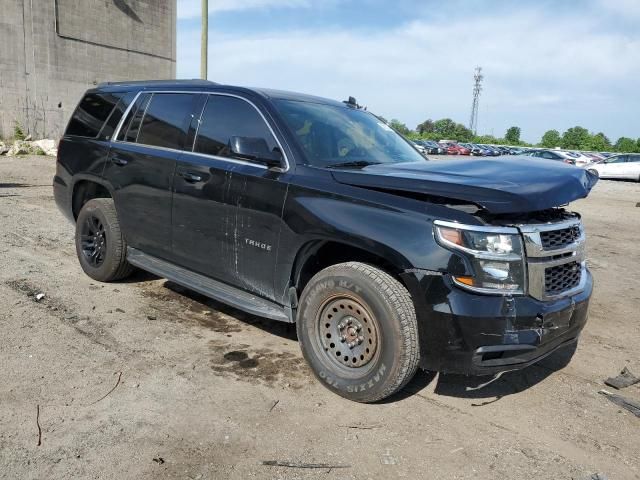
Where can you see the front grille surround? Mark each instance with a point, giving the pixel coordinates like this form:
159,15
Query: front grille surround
555,258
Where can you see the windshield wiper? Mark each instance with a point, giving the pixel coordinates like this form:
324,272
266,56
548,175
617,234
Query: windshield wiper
355,163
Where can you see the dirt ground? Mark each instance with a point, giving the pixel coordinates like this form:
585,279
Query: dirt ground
203,391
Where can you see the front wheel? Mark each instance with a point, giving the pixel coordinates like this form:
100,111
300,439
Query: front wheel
358,331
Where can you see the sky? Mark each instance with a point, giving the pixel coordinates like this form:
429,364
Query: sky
546,64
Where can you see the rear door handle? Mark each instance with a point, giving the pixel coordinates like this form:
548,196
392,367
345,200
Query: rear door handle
190,177
119,161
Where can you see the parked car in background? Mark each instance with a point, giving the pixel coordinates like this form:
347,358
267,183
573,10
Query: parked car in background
483,151
491,151
430,147
580,158
626,166
473,149
436,146
594,156
418,146
462,150
553,155
448,148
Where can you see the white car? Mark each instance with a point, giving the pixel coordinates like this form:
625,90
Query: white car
420,148
619,166
580,158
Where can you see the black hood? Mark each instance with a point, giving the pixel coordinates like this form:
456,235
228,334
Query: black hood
500,185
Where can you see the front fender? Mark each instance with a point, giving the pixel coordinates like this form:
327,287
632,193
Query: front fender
402,238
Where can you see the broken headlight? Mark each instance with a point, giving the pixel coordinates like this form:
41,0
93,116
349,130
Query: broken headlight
495,254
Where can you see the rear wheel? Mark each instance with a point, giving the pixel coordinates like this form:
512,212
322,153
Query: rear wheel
100,245
358,331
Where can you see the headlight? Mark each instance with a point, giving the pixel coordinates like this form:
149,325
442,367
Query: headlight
495,254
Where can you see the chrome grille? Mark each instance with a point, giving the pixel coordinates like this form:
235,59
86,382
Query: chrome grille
553,239
561,278
555,258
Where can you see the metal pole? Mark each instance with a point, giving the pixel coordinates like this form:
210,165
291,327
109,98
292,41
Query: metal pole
204,48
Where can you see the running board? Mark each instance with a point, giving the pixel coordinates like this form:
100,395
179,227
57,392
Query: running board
208,287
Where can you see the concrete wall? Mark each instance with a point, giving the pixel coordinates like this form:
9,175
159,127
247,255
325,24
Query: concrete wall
51,51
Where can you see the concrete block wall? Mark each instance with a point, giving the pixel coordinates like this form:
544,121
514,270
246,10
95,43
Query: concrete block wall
51,51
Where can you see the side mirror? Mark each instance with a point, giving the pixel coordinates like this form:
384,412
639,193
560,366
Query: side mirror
255,150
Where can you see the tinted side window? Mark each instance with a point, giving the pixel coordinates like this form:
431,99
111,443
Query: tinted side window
116,115
633,158
165,121
91,113
131,125
225,117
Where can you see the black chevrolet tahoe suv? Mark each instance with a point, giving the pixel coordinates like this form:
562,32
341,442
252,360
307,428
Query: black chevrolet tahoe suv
307,210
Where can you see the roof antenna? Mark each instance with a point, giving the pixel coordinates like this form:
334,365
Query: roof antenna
352,102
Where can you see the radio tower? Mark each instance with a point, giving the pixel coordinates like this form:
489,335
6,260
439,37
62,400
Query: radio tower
477,88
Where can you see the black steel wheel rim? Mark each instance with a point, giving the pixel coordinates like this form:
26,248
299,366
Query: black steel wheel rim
346,332
94,241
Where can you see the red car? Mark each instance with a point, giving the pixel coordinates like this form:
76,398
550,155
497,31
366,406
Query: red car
455,149
449,148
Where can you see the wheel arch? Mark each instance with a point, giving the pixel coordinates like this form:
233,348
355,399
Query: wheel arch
85,189
317,255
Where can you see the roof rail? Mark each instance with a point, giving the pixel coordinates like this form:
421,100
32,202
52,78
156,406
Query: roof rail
194,82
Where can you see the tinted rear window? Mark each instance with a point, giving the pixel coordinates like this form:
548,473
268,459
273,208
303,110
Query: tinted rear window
91,114
165,121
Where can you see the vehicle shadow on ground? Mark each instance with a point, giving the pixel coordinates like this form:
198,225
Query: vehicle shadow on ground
488,388
220,312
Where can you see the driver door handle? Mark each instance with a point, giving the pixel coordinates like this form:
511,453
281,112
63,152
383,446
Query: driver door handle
190,177
119,161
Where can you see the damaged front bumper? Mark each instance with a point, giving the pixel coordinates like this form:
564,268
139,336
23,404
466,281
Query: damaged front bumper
474,334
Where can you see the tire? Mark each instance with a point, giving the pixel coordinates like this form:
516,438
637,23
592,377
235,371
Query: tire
357,330
100,245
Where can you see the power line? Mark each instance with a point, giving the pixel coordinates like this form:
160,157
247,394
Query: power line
477,88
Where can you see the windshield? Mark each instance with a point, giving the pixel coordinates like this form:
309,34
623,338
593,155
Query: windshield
333,135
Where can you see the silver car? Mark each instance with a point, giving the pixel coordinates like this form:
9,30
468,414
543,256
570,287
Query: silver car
619,166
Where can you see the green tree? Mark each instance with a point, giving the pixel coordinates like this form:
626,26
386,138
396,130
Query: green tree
399,127
598,142
486,139
576,137
513,136
445,128
462,133
425,127
625,145
551,139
